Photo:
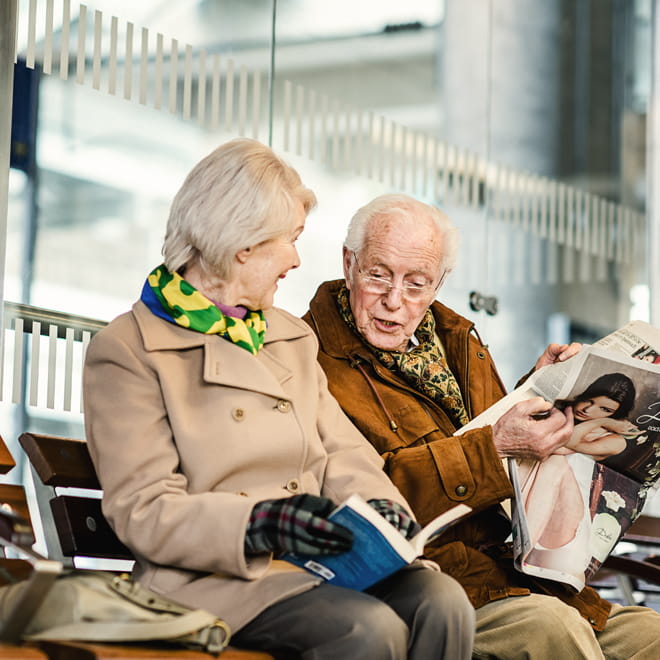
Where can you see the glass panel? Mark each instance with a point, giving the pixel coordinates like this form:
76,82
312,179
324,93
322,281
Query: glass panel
555,102
356,111
528,128
131,96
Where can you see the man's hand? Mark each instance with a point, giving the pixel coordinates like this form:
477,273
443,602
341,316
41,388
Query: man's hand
557,353
517,434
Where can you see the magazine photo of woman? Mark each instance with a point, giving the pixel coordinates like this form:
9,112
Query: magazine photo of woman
562,483
600,415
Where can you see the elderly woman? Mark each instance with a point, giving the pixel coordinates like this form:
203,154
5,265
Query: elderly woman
219,447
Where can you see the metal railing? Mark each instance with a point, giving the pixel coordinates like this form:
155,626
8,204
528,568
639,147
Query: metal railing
42,355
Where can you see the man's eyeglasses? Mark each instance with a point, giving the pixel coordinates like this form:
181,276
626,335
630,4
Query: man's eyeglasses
383,285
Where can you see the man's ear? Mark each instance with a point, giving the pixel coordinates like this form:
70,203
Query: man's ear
243,255
347,256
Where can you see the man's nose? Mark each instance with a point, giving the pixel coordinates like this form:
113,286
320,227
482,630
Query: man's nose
393,299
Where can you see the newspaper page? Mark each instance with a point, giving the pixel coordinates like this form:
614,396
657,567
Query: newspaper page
570,510
636,339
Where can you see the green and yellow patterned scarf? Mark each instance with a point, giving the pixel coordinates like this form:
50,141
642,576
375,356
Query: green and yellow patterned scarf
169,296
424,366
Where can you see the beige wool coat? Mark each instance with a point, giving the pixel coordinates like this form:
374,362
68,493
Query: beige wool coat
188,431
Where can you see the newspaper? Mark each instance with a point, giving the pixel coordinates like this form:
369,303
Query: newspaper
570,510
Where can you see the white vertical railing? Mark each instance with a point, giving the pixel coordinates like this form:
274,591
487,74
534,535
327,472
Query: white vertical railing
43,356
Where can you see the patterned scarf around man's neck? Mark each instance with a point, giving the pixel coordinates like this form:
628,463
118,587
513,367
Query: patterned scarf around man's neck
424,367
169,296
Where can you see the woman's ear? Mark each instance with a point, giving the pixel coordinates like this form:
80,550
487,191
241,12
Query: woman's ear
243,255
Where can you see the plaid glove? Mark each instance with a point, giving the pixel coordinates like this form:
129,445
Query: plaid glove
296,524
396,515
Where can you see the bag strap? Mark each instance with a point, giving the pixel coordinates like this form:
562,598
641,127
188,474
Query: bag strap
196,626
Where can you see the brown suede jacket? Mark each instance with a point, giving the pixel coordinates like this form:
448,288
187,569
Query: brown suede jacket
433,468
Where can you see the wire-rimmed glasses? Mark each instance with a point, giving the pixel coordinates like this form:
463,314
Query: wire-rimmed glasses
382,285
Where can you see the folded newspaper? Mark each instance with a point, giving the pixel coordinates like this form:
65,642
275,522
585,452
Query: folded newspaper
570,510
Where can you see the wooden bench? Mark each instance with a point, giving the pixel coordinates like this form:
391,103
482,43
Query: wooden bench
74,527
15,569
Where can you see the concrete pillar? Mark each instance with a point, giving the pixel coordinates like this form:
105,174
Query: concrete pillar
500,68
653,172
8,17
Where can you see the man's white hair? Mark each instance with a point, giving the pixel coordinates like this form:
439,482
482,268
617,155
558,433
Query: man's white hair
397,204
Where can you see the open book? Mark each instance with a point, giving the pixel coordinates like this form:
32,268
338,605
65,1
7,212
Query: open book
570,510
379,549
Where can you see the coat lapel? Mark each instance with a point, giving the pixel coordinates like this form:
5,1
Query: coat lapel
225,363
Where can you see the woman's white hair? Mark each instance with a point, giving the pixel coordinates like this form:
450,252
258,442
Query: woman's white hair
396,204
240,195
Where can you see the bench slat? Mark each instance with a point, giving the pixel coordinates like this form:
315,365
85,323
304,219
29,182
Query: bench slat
7,461
89,651
83,530
22,652
60,461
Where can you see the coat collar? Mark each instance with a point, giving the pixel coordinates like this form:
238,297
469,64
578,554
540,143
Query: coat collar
224,363
159,335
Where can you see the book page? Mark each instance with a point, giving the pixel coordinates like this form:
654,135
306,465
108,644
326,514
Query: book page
393,536
437,526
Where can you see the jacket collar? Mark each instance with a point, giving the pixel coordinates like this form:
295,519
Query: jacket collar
335,337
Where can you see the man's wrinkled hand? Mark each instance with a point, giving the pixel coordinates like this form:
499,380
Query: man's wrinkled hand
557,353
517,434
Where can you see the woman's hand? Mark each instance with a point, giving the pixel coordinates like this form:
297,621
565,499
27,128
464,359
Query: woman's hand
396,515
297,524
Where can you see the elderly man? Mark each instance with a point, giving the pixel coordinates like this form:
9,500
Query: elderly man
409,372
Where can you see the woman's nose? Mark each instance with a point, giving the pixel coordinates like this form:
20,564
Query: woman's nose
296,258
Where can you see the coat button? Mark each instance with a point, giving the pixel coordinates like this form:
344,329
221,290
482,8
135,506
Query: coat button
293,485
460,490
238,414
283,406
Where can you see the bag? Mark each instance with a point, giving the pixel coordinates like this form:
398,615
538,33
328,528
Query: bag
100,606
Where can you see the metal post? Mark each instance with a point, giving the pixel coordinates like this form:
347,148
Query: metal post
8,17
653,170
